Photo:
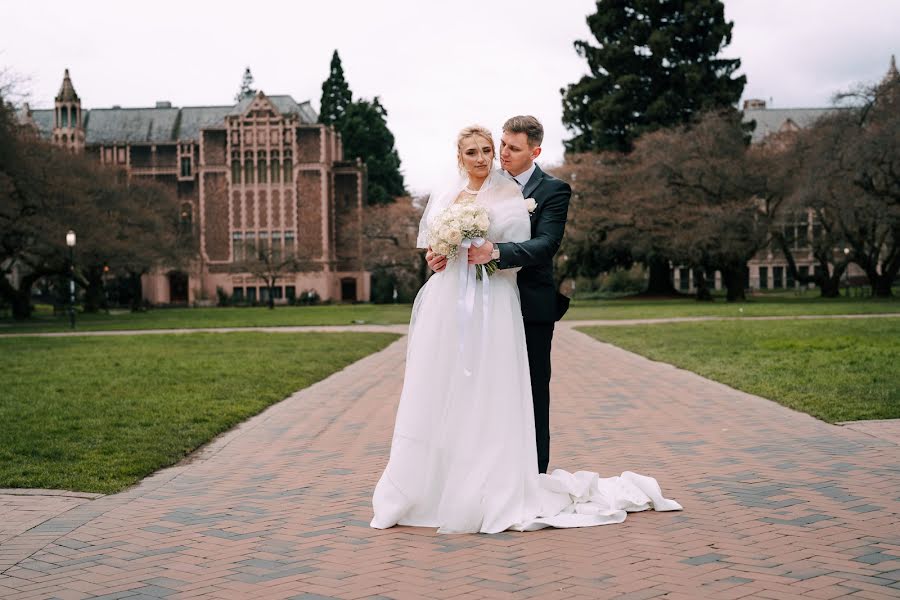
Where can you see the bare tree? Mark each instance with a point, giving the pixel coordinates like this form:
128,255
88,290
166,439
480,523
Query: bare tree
269,265
389,240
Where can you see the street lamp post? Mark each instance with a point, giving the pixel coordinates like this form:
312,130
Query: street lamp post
70,242
847,271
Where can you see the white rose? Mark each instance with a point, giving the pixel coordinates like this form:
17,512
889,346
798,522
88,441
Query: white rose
455,237
442,248
482,222
445,233
454,224
530,204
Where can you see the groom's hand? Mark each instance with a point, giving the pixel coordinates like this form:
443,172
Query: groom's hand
437,262
482,254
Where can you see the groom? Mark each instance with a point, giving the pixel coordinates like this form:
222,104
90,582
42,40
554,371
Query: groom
542,305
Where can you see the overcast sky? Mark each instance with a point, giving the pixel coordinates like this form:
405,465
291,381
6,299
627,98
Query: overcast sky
437,66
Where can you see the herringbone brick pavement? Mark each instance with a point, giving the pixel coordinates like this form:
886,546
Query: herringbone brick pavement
777,504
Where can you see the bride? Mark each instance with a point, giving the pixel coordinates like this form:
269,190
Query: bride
463,453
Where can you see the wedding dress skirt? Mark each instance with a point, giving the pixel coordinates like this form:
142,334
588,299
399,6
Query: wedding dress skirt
463,456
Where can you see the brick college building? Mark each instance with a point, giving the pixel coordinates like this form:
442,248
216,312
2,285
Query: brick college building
259,173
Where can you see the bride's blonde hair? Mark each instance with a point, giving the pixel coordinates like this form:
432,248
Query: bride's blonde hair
472,131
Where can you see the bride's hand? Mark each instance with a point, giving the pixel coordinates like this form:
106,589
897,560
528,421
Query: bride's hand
437,262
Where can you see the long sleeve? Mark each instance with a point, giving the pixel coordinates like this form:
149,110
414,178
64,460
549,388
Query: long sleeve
548,232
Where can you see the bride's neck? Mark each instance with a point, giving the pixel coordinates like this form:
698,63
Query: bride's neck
475,183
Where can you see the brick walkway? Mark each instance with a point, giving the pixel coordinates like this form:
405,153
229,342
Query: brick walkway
777,504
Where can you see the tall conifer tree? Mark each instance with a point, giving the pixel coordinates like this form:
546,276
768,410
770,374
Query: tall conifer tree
655,65
336,95
364,133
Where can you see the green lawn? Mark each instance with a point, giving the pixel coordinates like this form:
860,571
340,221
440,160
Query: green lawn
97,414
194,318
760,306
385,314
836,370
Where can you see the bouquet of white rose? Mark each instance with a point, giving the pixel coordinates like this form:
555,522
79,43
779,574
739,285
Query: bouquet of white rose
456,223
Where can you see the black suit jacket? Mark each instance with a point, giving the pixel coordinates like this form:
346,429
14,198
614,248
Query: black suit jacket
540,301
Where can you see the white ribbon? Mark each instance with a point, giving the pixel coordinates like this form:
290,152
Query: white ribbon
465,303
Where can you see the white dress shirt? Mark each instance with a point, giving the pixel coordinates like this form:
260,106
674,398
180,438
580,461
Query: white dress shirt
522,178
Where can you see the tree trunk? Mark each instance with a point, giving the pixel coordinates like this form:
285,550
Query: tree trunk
136,292
20,299
21,305
882,287
703,293
94,293
271,296
733,280
660,281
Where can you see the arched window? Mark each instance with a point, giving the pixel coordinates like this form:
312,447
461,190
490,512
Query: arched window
235,167
288,167
248,168
262,167
276,167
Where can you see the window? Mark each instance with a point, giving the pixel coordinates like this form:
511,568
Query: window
263,293
818,272
802,235
764,278
804,272
276,247
791,283
777,277
263,245
684,278
817,233
251,295
248,168
237,244
711,279
262,168
237,294
289,243
276,167
235,169
185,166
277,292
250,246
290,292
288,167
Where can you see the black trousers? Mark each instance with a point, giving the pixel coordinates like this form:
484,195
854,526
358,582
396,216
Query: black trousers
538,338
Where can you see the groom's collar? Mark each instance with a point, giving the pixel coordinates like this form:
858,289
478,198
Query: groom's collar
523,177
534,179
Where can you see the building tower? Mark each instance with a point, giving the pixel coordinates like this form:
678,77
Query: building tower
68,127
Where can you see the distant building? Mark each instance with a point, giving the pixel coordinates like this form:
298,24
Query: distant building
769,268
261,173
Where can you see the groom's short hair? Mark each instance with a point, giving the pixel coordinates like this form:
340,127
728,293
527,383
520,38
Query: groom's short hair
528,125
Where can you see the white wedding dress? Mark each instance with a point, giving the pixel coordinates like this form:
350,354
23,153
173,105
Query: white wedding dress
463,456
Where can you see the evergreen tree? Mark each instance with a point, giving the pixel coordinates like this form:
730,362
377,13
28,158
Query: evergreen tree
365,135
336,95
247,90
655,66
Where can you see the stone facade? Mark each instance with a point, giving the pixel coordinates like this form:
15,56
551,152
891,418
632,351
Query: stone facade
261,173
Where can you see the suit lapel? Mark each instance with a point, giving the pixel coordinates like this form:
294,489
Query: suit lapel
533,182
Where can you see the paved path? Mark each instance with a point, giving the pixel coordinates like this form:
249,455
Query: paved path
402,328
777,504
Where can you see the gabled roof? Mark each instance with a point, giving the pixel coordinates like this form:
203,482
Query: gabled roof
163,124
